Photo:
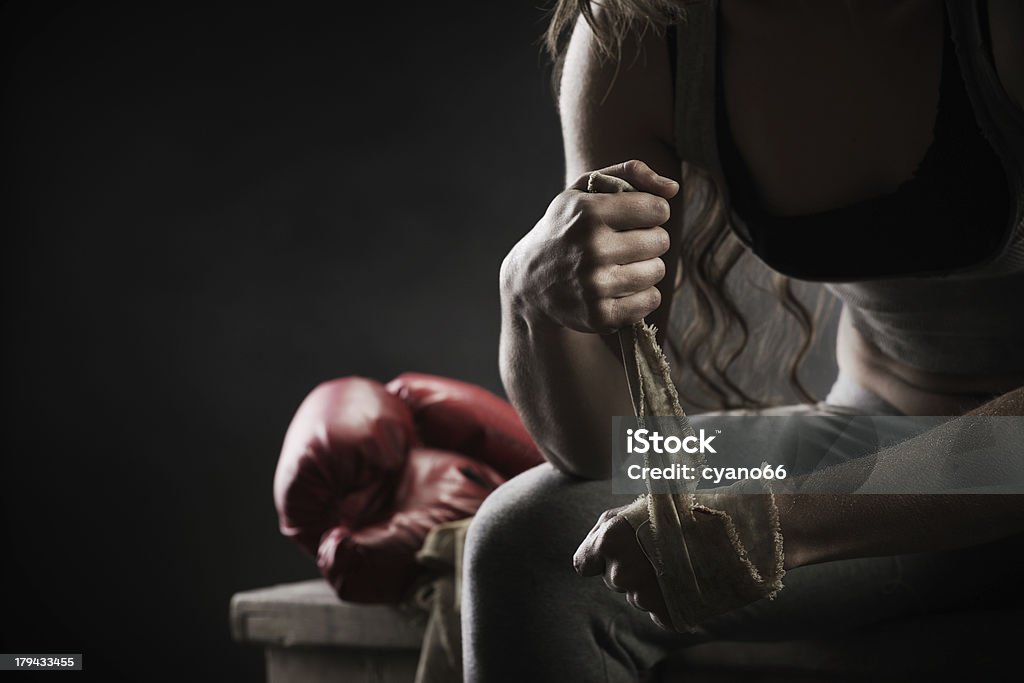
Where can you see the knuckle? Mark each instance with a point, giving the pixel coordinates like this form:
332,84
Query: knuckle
586,215
575,202
584,204
634,166
570,202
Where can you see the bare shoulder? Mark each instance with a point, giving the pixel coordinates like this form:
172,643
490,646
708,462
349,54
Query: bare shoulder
617,109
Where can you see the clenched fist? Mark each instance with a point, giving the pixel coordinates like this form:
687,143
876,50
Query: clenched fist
592,263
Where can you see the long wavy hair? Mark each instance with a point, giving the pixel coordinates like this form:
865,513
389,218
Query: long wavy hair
716,332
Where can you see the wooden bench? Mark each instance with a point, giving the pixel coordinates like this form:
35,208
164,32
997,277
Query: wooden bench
310,636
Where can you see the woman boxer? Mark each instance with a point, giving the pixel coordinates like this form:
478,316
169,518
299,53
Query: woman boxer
874,146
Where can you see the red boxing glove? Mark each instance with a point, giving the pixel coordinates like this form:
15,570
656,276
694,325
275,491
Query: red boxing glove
377,564
464,418
342,459
353,488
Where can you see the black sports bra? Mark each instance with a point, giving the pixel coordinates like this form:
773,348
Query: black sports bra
951,214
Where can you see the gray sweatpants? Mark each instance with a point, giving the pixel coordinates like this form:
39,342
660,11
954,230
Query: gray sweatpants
528,617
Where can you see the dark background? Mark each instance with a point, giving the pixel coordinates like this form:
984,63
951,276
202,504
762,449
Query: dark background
207,212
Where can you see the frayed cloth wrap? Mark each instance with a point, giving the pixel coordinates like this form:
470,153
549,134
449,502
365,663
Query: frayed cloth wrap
712,552
442,552
733,548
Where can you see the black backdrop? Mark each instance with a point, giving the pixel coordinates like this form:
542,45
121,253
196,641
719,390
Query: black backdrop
206,212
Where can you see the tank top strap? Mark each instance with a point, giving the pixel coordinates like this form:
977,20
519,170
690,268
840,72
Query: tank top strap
696,74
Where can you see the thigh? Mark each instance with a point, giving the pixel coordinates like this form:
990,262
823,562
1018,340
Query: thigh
527,615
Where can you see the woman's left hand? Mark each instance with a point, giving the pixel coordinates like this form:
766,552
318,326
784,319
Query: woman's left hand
612,550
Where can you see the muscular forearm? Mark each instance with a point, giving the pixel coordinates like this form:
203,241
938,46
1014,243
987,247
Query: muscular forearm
595,262
819,527
566,385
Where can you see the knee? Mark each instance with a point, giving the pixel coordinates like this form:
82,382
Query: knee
523,518
519,584
517,565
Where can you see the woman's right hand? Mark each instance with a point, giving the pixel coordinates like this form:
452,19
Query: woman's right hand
592,263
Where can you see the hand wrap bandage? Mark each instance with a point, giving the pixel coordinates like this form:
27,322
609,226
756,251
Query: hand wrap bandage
731,543
712,552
